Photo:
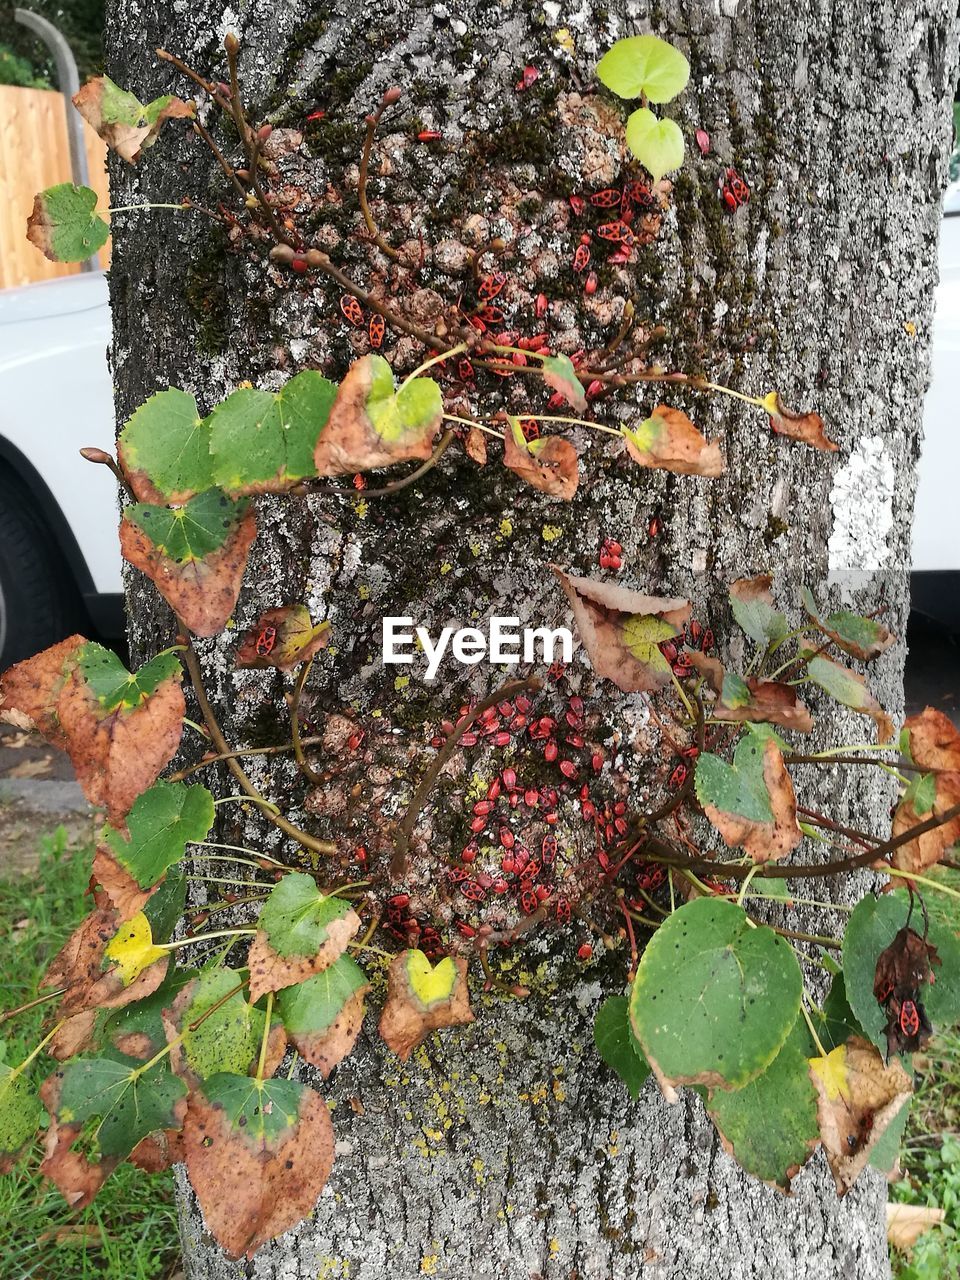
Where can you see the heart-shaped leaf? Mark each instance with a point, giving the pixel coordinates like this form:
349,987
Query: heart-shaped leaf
808,428
283,638
162,822
657,144
772,1150
850,689
751,801
714,998
863,638
752,602
258,1153
373,424
644,65
105,963
549,464
858,1097
164,449
560,375
422,997
228,1037
323,1015
195,555
127,125
752,699
262,442
301,931
621,630
127,1101
668,441
64,224
30,690
870,930
617,1047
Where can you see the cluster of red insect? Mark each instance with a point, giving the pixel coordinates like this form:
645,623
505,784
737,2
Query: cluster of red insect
733,189
634,198
695,636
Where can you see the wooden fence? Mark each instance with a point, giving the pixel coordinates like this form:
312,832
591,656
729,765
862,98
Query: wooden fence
34,154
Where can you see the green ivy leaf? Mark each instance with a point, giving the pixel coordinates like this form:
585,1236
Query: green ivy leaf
886,1153
752,604
227,1040
714,998
770,1126
862,638
162,822
921,793
260,1110
314,1005
128,1102
164,449
141,1023
296,917
644,65
113,685
870,930
849,688
407,412
262,442
20,1114
617,1047
191,532
64,225
560,375
657,144
165,907
751,801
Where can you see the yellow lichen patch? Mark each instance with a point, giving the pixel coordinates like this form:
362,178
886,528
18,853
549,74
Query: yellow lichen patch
361,507
554,1246
429,1263
363,591
445,568
551,532
506,528
613,1145
559,1093
330,1268
565,40
401,683
475,549
479,1172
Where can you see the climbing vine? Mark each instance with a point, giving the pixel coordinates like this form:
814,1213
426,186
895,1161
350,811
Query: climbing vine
794,1039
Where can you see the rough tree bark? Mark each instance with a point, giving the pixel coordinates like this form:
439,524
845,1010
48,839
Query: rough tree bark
505,1149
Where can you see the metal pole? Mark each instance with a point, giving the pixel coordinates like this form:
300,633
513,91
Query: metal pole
68,80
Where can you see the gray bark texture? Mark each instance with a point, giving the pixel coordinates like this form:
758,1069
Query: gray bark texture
505,1149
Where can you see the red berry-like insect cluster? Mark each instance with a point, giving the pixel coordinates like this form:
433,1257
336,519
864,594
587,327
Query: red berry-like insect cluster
734,191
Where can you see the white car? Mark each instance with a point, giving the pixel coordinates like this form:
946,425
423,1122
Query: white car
59,553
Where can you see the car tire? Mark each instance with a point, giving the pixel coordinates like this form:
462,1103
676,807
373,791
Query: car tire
39,602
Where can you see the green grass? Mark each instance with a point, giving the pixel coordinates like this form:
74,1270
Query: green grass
129,1232
931,1144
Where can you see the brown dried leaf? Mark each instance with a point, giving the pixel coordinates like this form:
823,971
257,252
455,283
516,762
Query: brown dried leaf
127,126
202,591
158,1151
934,740
622,629
75,1035
117,754
76,1178
422,998
270,971
770,702
256,1181
857,1098
668,441
549,465
327,1049
475,446
805,427
928,848
79,967
121,888
350,442
32,688
906,1223
283,638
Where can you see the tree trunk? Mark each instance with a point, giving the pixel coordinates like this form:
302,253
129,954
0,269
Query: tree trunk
506,1148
